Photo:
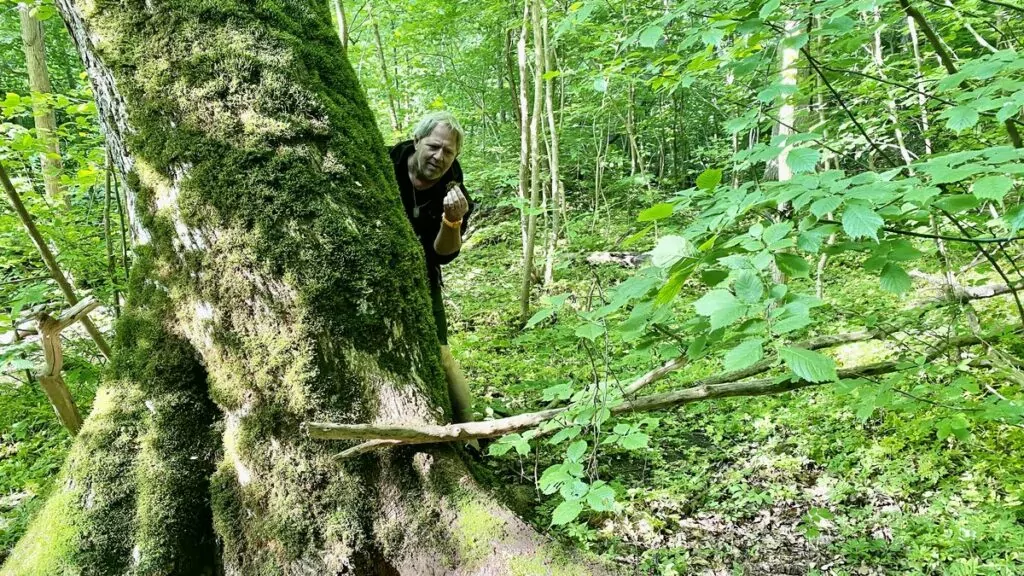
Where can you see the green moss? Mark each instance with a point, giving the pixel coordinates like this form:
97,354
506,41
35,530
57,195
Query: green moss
175,524
266,189
87,524
541,563
477,533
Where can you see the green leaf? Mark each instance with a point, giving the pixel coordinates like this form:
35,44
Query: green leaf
745,354
802,160
540,316
895,279
958,202
601,497
776,232
992,187
656,212
576,450
634,441
600,84
808,364
768,8
566,512
564,434
748,287
721,307
669,250
790,323
649,36
590,331
860,221
709,179
1014,218
792,265
960,118
795,42
823,206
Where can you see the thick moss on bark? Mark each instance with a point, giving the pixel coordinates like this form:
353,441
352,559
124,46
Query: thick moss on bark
134,494
86,526
277,252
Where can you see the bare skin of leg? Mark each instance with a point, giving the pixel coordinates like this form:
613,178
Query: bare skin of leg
458,387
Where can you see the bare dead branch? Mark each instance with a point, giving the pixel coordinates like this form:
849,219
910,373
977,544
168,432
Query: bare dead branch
380,435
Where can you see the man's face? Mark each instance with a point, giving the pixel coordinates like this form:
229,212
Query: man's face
436,152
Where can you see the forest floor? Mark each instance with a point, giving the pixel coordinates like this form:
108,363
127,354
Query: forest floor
814,482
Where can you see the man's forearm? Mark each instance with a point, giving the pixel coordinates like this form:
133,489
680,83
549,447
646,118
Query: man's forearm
449,240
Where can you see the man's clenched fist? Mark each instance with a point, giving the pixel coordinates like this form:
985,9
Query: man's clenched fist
455,204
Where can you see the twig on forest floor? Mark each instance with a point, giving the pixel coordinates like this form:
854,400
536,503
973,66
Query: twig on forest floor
376,436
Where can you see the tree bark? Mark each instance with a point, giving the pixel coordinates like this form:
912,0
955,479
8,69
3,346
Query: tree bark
392,108
557,190
338,6
45,121
276,281
524,123
538,105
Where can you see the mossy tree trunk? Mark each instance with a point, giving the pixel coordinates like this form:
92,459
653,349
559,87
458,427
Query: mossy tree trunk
277,281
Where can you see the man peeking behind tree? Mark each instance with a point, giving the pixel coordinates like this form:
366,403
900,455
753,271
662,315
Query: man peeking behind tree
438,207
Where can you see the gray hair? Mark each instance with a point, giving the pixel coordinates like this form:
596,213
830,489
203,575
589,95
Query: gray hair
427,124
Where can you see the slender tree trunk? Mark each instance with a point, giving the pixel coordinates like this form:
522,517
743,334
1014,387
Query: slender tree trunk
535,185
45,121
524,130
392,108
49,259
108,240
557,190
922,100
339,18
890,102
276,281
787,121
787,111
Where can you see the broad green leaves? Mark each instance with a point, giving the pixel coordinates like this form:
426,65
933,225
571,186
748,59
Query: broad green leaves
808,364
650,36
721,308
895,279
992,187
860,221
709,179
744,354
802,160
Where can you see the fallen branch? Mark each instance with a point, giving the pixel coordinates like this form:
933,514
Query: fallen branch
624,259
381,435
962,293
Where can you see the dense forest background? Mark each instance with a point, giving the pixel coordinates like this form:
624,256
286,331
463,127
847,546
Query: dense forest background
755,197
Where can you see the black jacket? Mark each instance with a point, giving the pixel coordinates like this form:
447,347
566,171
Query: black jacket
426,222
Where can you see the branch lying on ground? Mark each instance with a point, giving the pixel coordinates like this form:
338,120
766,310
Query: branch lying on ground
624,259
391,435
719,386
963,293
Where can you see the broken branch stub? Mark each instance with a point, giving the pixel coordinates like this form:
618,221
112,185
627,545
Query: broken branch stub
50,377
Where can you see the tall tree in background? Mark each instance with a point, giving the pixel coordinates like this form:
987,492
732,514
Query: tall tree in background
557,189
535,183
277,281
39,82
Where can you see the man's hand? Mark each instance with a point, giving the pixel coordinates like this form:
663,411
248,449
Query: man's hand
455,204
